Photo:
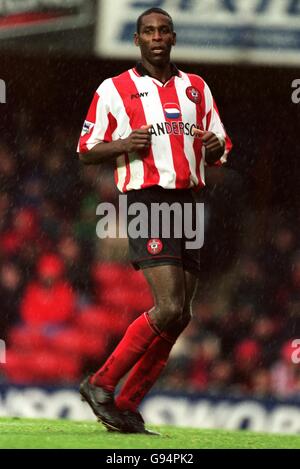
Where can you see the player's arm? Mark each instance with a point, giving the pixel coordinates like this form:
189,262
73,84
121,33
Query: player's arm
214,145
214,137
99,140
139,140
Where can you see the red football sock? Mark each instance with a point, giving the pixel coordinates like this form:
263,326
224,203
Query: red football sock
145,373
138,337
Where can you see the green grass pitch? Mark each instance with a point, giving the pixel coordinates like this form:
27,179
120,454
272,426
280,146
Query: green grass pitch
56,434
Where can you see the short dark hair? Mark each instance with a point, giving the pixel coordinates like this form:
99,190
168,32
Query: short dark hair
148,12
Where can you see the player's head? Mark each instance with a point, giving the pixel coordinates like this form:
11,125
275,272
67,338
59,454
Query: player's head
155,36
159,11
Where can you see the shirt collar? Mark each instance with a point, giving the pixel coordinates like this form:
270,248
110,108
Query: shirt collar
142,71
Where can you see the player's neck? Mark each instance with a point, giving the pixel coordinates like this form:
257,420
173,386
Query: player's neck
161,72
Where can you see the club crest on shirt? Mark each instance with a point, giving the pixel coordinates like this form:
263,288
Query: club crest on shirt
87,127
193,94
154,246
172,111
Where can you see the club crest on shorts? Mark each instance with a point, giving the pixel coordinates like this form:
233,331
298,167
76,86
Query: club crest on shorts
193,94
154,246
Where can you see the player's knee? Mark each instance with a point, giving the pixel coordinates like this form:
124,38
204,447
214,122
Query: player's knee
170,312
175,310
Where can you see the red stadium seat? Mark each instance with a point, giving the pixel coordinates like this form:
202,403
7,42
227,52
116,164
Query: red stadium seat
42,367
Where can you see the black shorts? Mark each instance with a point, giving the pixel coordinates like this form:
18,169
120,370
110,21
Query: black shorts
168,247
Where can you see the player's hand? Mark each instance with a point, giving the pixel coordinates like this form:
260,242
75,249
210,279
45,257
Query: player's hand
214,146
139,140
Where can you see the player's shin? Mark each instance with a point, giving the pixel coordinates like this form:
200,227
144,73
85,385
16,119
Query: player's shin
139,335
147,370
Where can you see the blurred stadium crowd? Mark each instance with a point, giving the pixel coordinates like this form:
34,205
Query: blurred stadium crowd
66,297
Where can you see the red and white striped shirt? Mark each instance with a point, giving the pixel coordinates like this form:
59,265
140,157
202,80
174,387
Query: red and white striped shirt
175,159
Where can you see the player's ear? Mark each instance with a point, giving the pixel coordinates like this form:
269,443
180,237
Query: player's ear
136,39
174,39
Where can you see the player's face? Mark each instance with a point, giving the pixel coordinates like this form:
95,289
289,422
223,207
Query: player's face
155,39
